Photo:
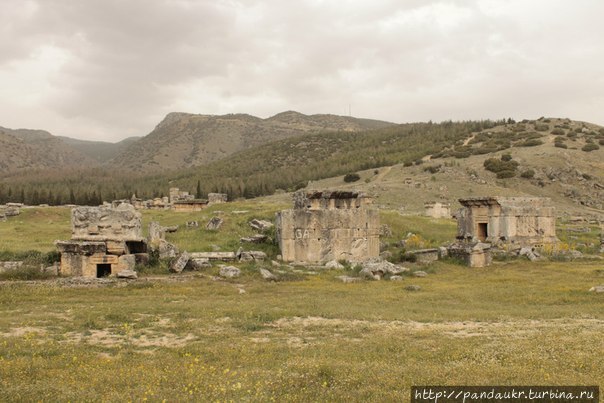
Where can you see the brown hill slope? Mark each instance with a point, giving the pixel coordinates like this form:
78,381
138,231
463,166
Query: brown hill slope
559,166
24,149
183,140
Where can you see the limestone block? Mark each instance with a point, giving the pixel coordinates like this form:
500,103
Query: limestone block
125,262
179,264
106,223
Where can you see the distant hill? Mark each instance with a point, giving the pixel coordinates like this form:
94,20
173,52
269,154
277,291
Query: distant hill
101,151
24,149
184,140
402,165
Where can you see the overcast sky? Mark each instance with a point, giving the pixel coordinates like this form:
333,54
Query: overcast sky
109,69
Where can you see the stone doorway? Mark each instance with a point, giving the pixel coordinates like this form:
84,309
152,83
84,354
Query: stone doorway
103,270
483,231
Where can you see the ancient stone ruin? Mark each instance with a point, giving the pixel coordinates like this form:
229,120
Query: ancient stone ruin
437,210
10,210
216,198
177,195
328,225
507,220
105,241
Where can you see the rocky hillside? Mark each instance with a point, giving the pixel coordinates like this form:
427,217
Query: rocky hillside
24,149
556,158
101,151
184,140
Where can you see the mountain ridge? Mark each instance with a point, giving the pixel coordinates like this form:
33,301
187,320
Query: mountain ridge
183,140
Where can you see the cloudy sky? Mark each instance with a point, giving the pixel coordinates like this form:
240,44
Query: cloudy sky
109,69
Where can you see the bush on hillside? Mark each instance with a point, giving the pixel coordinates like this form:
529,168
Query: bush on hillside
530,143
590,147
528,174
351,177
432,169
504,167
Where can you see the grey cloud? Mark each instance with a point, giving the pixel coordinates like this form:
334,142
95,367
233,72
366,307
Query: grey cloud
132,61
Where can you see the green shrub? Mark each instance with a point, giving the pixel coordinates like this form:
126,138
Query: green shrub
461,154
541,127
506,157
590,147
351,177
407,163
432,169
528,174
601,142
497,166
506,174
530,143
558,132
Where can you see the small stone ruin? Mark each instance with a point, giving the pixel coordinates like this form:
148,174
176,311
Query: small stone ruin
329,225
437,210
507,220
217,198
10,210
104,242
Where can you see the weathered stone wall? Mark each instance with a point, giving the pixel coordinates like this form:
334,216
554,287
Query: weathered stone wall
321,231
214,198
104,223
437,210
188,206
102,236
521,220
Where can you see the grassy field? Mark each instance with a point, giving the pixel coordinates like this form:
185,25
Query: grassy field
308,337
312,339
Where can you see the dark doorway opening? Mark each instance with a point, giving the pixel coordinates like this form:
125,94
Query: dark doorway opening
136,247
483,231
103,270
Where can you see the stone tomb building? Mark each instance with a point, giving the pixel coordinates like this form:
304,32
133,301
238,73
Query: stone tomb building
437,210
508,220
104,241
329,225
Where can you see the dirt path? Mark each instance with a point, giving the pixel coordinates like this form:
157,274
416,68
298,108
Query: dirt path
466,141
383,172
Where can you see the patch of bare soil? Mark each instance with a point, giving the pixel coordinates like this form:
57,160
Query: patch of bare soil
519,328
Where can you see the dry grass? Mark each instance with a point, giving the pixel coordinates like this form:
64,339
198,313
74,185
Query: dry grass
315,339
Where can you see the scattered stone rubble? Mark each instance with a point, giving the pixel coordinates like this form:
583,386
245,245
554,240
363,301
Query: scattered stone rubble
215,223
10,210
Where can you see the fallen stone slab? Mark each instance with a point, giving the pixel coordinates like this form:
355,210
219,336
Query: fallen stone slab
396,278
348,279
413,287
179,264
127,274
198,264
334,264
420,273
597,288
267,275
229,272
261,225
215,223
257,238
211,256
425,256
